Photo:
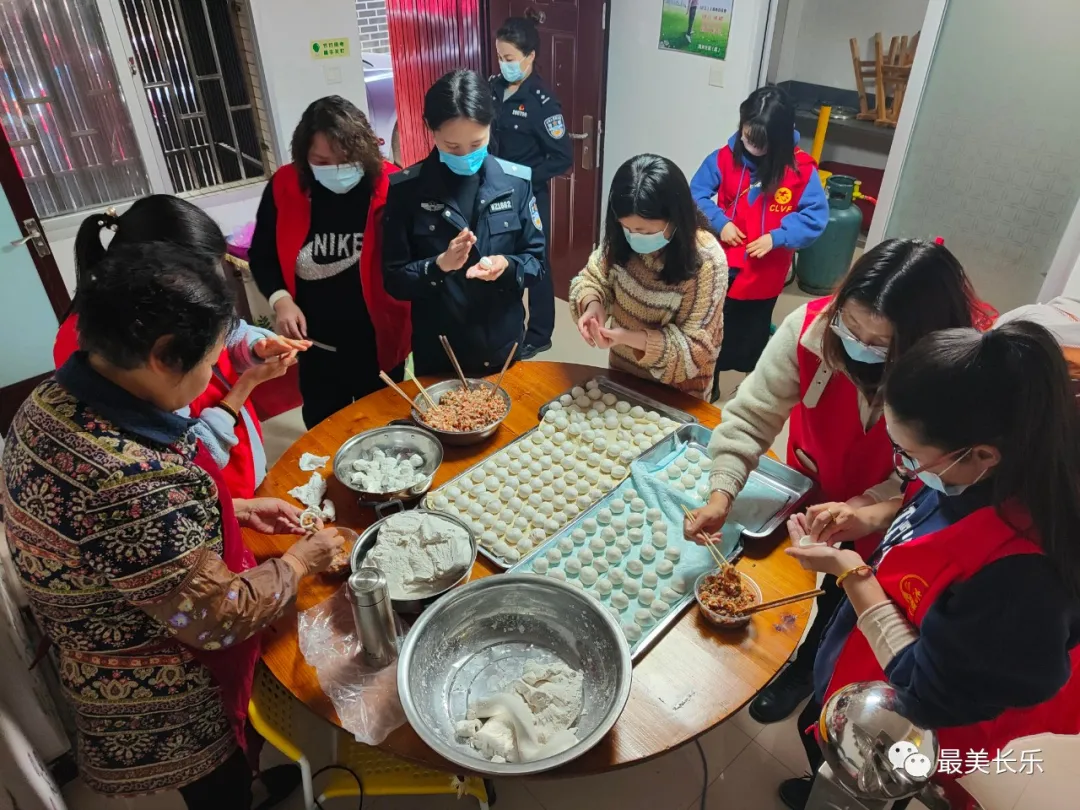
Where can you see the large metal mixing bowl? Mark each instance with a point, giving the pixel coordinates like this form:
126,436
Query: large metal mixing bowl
475,640
454,437
400,441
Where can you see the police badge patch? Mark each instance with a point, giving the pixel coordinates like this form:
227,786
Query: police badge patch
555,126
535,213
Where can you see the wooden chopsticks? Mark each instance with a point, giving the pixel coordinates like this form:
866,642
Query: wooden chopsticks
453,359
785,600
386,379
708,542
423,391
506,365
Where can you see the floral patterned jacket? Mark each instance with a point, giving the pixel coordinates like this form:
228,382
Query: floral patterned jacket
116,535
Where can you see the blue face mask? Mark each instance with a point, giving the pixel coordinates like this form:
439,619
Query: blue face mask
465,165
933,480
511,71
646,242
855,348
338,179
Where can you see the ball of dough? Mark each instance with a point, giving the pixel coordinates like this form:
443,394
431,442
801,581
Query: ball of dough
670,595
595,460
600,444
694,470
622,406
659,607
585,556
588,575
635,536
654,515
525,546
603,586
594,394
558,501
643,617
635,568
611,422
583,402
680,584
582,453
652,416
597,544
551,525
557,573
595,493
688,481
514,468
498,548
627,422
537,438
529,512
601,565
513,451
521,522
535,468
565,545
659,540
442,502
524,491
643,442
637,505
561,422
506,493
659,527
590,525
619,525
619,472
613,555
489,539
608,534
606,466
568,463
546,493
672,553
514,504
614,451
475,510
646,596
574,429
637,430
566,400
649,579
623,544
604,516
486,498
550,415
507,515
512,554
487,520
599,407
502,475
632,631
536,484
540,565
572,567
692,455
665,567
535,500
673,472
568,448
635,521
651,430
609,399
703,492
553,556
500,527
620,601
477,475
462,503
538,536
577,391
583,501
547,477
453,492
681,463
571,511
678,486
616,577
648,553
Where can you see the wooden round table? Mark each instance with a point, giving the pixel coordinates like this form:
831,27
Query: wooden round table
691,680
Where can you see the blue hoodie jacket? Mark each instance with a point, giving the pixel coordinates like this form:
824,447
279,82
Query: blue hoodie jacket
797,230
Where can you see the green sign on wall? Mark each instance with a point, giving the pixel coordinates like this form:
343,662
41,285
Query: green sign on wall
329,48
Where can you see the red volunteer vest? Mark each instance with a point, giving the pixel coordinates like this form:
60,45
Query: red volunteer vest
847,460
914,575
239,473
759,278
390,317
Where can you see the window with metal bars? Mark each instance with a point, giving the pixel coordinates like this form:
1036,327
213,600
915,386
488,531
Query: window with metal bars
187,55
64,110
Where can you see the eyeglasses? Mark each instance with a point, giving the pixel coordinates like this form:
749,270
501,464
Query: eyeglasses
908,468
840,328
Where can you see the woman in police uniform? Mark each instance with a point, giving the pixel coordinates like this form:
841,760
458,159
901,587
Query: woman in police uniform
530,129
462,236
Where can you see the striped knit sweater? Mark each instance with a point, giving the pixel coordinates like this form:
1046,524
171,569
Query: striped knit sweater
684,323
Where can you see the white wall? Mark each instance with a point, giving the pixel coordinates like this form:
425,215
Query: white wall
293,79
816,33
661,101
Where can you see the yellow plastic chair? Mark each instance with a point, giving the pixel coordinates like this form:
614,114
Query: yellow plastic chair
271,711
383,774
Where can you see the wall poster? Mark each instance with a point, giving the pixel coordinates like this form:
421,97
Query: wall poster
699,27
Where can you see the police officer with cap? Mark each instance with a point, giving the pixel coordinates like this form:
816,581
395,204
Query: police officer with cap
530,130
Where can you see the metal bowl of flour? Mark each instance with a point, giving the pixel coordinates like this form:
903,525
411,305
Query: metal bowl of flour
417,601
476,640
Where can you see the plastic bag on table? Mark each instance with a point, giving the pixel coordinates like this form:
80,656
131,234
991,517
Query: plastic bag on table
366,699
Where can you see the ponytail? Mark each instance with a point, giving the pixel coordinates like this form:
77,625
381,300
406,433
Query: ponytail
1008,388
88,248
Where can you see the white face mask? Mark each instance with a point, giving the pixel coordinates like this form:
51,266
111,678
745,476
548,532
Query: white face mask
933,480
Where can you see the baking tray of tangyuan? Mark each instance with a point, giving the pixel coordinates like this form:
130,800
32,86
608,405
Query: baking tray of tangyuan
578,394
773,492
524,493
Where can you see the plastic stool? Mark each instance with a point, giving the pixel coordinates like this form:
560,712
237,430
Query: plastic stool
270,711
383,774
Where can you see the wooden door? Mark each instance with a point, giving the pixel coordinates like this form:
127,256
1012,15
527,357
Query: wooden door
572,60
34,296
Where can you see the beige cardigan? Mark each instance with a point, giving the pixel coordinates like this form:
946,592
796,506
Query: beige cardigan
684,323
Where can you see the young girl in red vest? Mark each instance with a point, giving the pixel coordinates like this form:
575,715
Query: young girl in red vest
970,607
763,196
823,369
226,421
316,254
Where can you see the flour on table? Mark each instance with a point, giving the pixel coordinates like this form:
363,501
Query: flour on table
311,493
419,552
310,462
385,473
531,719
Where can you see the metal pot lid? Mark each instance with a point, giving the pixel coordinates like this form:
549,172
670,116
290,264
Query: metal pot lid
838,113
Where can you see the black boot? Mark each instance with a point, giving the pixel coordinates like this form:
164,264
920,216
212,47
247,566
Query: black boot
783,696
794,793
